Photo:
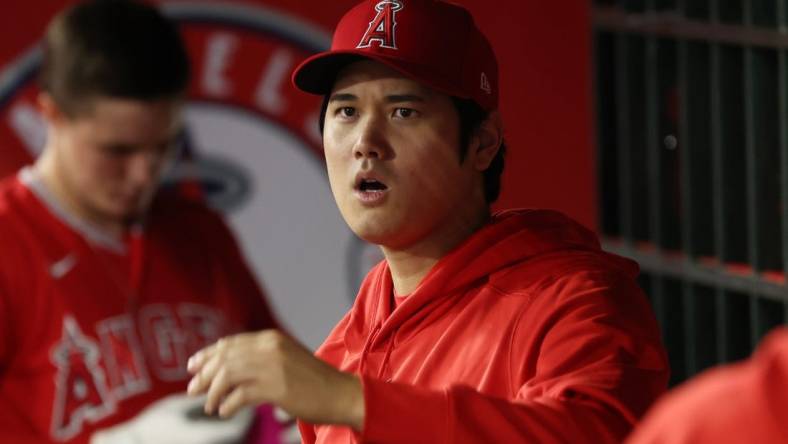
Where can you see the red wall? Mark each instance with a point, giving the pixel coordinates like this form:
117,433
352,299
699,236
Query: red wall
544,52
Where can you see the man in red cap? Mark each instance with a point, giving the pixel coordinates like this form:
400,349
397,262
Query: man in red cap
477,327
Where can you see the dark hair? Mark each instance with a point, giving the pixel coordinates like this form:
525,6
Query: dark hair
113,48
471,117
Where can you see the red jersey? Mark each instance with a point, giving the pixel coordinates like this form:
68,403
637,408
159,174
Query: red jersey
527,332
739,403
94,329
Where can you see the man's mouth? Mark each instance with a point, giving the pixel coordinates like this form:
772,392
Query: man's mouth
370,191
371,185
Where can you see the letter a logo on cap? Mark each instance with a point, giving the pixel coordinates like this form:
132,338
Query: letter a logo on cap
381,28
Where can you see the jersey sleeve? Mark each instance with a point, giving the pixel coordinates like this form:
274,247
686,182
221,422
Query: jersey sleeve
600,364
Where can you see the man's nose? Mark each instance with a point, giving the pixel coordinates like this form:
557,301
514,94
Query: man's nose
371,142
143,168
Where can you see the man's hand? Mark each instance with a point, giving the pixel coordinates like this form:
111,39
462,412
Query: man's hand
270,367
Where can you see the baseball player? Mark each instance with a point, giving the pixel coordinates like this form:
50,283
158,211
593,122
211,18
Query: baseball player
746,402
106,286
477,327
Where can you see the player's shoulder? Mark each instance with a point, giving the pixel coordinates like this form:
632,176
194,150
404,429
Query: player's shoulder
172,211
9,189
18,226
170,203
571,268
15,200
682,415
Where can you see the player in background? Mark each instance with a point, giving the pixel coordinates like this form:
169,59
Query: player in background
106,284
477,327
746,402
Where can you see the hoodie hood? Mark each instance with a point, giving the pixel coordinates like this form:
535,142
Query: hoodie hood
510,237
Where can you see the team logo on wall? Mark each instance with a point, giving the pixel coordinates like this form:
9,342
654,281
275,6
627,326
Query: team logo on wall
254,148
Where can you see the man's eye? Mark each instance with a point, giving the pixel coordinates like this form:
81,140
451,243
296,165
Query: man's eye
404,113
347,111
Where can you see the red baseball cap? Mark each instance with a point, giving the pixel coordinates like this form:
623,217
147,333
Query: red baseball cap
433,42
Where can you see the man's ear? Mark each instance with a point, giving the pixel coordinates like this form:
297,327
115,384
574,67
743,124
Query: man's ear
490,137
49,109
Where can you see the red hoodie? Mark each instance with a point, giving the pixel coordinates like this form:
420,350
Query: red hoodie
527,332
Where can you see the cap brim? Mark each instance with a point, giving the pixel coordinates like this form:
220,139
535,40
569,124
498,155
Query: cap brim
317,74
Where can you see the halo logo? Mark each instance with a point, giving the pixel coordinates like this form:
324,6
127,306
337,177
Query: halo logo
256,152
